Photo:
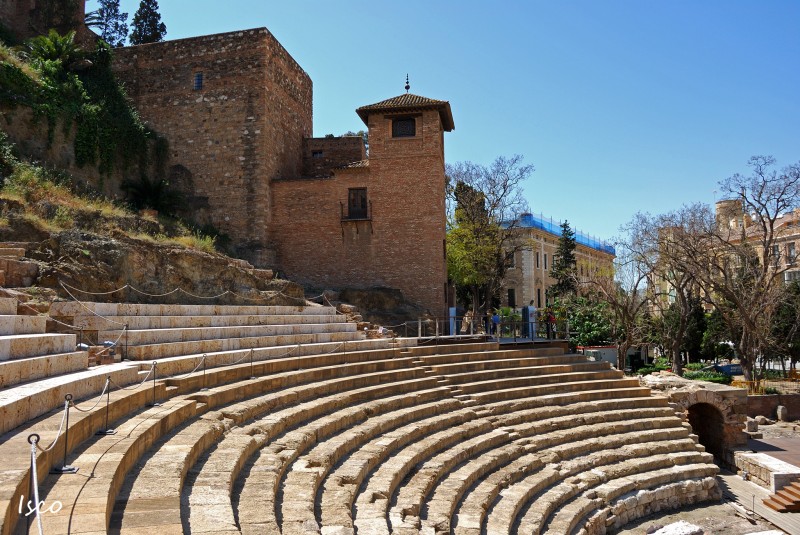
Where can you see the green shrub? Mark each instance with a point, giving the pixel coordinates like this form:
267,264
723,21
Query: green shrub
694,366
771,390
711,377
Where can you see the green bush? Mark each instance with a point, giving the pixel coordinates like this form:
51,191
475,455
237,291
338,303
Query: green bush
711,377
646,370
694,366
771,390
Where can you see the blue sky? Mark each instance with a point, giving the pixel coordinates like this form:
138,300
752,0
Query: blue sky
621,105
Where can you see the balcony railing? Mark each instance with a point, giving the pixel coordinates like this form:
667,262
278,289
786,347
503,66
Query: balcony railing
351,213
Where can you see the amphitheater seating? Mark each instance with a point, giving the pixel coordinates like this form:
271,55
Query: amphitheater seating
374,436
27,352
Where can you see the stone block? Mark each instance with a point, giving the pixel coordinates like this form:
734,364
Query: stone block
782,413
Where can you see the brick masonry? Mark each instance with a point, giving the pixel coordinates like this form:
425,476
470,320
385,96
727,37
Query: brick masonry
400,246
230,137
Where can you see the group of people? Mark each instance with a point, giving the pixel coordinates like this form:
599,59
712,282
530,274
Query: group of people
492,324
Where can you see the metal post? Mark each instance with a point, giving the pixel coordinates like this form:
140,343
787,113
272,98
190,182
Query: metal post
419,327
33,438
126,341
65,468
155,372
106,430
205,385
252,375
80,336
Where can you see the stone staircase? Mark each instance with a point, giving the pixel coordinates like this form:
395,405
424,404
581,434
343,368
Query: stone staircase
785,500
28,353
176,335
464,438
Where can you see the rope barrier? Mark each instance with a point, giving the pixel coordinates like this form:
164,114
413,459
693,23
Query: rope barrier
60,429
74,327
146,377
108,381
226,292
87,308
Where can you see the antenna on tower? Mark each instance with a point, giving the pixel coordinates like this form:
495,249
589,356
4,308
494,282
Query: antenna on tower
407,84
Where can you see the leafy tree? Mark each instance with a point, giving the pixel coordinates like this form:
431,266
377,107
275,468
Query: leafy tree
112,24
733,261
147,25
695,327
564,269
483,207
589,321
627,301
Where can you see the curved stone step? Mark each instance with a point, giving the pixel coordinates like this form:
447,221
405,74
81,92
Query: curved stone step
13,324
451,484
505,392
559,447
16,372
310,470
90,494
86,308
115,323
582,475
638,495
191,334
20,346
172,349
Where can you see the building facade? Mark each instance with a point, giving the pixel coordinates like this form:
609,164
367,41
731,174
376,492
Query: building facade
527,280
237,112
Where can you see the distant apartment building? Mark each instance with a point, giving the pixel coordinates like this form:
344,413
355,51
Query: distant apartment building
530,274
784,254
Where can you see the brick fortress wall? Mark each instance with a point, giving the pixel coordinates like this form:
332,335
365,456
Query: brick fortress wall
29,18
322,154
228,139
401,246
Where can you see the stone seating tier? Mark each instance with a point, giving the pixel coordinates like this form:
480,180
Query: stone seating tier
395,438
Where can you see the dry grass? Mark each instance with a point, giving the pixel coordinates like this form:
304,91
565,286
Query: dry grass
10,56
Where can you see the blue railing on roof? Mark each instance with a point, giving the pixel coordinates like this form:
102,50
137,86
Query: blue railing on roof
554,227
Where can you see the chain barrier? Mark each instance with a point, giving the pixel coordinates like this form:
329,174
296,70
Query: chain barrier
74,327
99,399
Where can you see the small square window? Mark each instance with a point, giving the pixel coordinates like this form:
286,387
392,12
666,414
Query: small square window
406,127
198,81
316,154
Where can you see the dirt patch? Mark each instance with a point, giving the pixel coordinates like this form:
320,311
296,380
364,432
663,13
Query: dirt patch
716,519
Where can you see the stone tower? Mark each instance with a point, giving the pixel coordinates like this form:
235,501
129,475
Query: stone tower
376,222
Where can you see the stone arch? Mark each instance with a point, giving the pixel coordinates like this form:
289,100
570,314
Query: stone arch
730,406
708,424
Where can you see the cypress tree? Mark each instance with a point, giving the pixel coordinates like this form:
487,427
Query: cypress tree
564,264
147,25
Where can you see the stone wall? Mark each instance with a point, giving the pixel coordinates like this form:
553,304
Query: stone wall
322,154
400,246
28,18
30,137
235,108
766,405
